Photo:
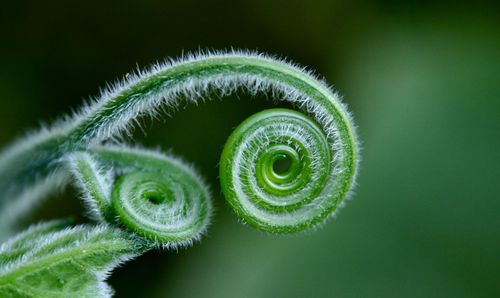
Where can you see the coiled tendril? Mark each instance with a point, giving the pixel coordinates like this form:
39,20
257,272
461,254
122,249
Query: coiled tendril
274,199
281,171
153,195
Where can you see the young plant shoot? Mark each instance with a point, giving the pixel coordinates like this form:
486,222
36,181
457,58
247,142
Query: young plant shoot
282,171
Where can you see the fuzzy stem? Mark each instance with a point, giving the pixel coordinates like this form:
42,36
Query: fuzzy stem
31,161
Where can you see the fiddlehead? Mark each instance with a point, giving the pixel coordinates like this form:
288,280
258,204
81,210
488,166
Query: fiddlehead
154,196
30,162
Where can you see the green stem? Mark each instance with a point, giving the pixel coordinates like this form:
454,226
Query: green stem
32,161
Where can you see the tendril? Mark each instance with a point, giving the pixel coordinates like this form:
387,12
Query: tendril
152,195
285,200
281,171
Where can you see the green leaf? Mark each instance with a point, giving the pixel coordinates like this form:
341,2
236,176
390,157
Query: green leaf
48,260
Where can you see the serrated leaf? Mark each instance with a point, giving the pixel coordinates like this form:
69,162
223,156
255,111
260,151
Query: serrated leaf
48,260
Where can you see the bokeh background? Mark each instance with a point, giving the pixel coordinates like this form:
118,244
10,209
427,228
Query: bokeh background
422,79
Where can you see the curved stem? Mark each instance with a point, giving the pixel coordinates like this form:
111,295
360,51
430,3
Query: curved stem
32,160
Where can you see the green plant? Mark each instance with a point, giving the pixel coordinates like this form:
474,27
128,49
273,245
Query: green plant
282,172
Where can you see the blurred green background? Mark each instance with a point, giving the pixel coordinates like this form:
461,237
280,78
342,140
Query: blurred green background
422,79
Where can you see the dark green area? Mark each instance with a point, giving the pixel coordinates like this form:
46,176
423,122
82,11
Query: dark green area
422,79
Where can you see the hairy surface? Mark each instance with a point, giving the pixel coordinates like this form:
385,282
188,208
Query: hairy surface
160,200
165,85
155,196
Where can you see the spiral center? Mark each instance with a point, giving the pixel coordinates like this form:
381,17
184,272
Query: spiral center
282,164
155,198
278,169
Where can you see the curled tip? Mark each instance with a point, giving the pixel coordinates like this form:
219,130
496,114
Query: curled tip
277,172
169,208
154,196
